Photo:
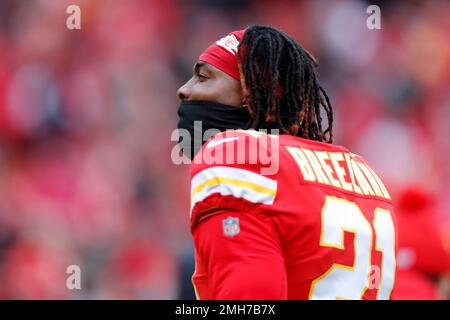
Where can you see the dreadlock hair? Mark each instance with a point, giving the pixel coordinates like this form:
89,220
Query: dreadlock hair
282,84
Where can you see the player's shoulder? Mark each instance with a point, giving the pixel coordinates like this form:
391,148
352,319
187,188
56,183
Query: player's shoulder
288,140
233,170
295,145
243,149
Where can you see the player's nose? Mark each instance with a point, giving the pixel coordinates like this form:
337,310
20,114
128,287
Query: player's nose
184,92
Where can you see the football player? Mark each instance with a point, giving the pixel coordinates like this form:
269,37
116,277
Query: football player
319,224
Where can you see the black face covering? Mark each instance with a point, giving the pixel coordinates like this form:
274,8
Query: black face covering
212,115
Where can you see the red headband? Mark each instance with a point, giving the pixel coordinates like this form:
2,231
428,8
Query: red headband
222,54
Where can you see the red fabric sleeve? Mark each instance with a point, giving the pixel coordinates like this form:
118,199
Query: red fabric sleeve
249,265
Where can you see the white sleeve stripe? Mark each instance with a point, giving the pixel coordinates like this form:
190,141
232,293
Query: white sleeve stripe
232,173
238,183
234,182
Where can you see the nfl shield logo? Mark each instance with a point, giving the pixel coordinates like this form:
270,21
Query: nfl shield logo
230,226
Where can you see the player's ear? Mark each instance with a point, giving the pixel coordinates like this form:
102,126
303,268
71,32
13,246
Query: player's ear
245,93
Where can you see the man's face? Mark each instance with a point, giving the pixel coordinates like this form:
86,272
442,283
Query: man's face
211,84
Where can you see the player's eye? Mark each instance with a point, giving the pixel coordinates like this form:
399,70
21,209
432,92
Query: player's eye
202,76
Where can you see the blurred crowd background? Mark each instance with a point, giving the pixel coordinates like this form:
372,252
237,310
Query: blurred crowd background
86,118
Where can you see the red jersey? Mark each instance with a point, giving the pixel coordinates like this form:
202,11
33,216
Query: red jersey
280,217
